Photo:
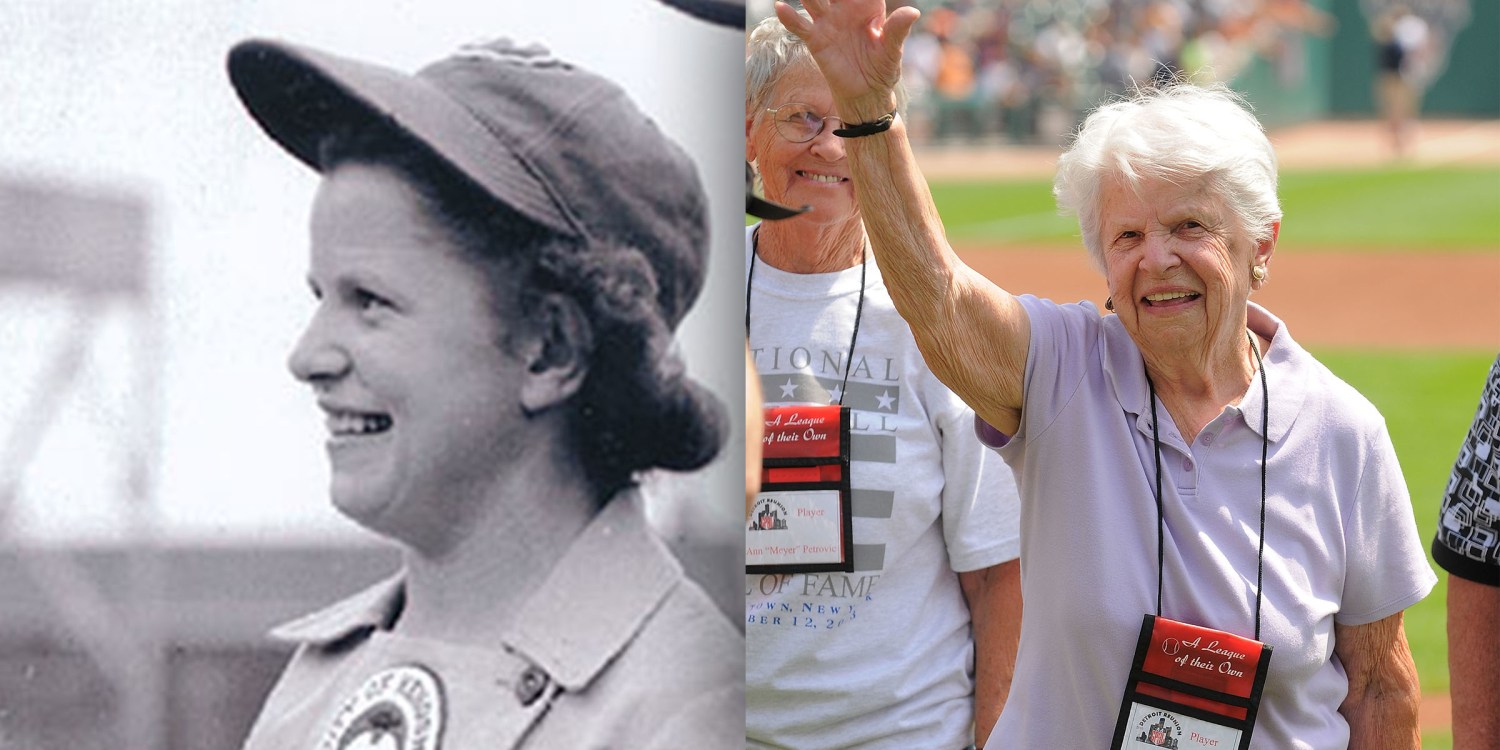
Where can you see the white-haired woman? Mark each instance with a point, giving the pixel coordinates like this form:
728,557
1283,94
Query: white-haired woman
885,655
1195,486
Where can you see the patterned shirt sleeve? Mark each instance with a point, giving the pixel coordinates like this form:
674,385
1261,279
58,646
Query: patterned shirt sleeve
1468,536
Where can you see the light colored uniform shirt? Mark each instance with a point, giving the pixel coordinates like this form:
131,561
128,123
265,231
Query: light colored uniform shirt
1341,543
617,649
881,657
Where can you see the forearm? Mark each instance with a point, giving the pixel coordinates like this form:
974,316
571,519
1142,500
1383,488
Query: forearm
994,596
1384,693
972,334
1474,663
900,217
754,431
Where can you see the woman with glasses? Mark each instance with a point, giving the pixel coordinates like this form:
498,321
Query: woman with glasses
880,657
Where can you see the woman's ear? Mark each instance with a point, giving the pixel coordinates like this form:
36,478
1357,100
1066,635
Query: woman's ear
1262,260
557,359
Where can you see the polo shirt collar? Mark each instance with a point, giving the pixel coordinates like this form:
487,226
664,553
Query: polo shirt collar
1287,371
593,602
599,595
1285,362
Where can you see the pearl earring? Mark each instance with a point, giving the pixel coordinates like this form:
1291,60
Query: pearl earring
1258,272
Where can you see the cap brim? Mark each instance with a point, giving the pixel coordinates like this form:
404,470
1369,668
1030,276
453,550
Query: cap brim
300,95
722,12
764,209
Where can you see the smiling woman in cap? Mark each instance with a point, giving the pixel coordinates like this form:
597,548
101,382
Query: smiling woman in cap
501,247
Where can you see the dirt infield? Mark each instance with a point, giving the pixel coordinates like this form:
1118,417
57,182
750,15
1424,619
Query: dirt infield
1388,300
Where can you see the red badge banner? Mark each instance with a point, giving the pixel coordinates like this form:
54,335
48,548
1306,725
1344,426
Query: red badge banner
1190,684
800,522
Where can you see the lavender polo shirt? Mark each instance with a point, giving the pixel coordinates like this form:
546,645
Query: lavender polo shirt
1341,542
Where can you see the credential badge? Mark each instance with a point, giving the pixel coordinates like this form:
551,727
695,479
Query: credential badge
400,708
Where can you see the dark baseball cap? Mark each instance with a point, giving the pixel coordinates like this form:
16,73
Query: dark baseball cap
760,207
561,146
721,12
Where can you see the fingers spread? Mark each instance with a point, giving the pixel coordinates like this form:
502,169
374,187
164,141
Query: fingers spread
793,21
898,25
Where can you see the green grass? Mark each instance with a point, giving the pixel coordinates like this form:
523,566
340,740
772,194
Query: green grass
1428,400
1438,740
1393,209
1389,209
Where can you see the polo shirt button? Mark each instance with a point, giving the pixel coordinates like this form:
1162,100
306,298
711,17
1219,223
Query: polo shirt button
531,685
1187,464
1208,439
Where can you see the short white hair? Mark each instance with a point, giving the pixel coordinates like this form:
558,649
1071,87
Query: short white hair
1179,132
771,51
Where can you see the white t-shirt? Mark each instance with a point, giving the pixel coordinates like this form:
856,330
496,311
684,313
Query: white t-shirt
881,657
1341,543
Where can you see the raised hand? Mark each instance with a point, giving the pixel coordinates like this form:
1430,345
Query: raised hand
858,48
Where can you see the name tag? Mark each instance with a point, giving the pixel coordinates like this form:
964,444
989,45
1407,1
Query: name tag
800,522
1191,687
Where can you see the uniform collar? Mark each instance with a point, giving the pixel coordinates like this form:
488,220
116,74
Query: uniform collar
1286,367
594,601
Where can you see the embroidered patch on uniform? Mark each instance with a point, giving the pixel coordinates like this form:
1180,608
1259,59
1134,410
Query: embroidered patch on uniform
397,709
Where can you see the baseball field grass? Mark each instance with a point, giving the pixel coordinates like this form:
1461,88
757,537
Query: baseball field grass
1391,209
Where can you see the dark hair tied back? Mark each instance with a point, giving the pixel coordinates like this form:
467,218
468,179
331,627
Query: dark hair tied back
638,408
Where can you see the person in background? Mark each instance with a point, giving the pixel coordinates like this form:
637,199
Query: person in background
1467,545
501,248
1403,44
1183,460
913,648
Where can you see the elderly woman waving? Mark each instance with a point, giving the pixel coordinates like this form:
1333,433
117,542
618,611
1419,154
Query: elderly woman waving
1217,539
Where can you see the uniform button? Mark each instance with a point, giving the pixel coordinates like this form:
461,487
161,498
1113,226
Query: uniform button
1208,439
531,685
1187,464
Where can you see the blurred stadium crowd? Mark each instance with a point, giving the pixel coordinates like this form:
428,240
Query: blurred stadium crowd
1024,71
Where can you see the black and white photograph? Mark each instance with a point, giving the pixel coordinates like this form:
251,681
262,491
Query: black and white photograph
369,375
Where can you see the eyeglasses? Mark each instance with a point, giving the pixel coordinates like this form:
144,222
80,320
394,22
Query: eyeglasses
798,122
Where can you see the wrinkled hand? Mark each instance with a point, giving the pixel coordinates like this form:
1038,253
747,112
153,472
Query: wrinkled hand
856,45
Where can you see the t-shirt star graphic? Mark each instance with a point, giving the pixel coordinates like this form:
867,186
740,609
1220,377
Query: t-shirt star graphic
788,389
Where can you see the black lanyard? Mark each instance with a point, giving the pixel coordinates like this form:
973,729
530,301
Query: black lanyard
859,307
1260,555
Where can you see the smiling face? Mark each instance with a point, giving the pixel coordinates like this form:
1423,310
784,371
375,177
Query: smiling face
404,353
1178,267
813,173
